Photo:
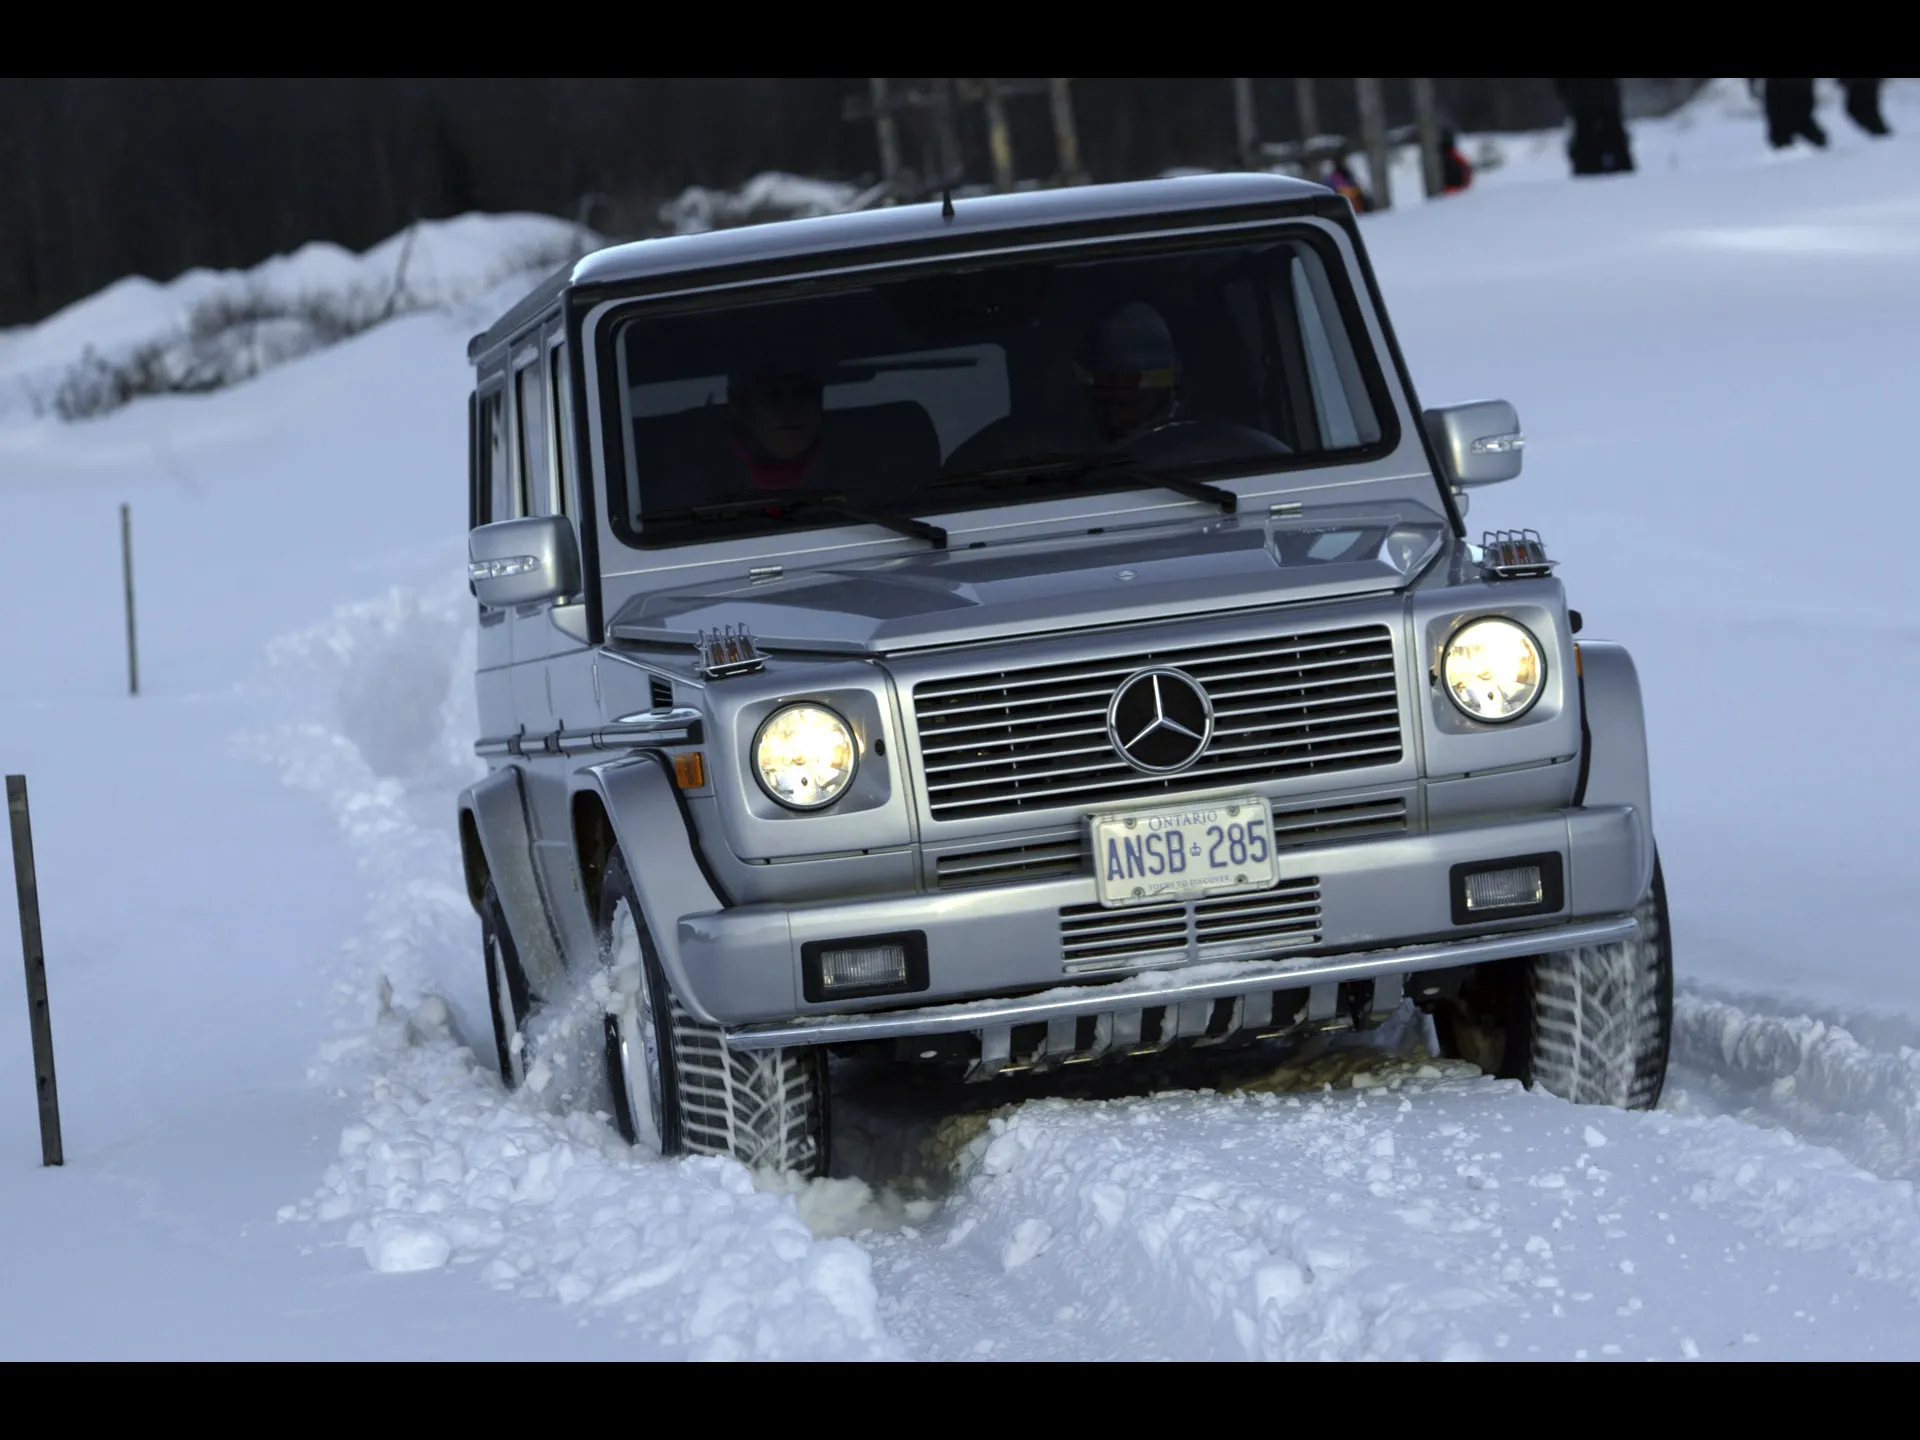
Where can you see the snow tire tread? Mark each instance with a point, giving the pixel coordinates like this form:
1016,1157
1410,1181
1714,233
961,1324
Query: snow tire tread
1602,1016
764,1108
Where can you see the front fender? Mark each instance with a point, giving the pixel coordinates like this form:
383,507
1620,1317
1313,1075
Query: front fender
654,831
1615,766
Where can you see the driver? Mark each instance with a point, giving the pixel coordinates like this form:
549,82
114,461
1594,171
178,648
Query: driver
1130,372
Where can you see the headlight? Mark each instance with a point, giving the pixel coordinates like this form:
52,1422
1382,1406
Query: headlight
805,756
1492,670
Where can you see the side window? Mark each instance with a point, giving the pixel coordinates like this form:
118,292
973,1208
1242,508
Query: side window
490,456
531,415
560,387
1339,391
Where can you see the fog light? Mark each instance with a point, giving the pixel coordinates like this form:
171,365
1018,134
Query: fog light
864,968
860,965
1504,889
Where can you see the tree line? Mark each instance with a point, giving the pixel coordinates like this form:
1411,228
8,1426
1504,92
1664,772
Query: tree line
106,178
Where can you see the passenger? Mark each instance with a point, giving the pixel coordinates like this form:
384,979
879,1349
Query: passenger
776,426
1130,373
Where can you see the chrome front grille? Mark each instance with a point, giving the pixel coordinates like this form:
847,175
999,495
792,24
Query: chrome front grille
1029,738
1226,928
1293,828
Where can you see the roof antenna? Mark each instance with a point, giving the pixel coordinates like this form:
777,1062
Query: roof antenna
946,202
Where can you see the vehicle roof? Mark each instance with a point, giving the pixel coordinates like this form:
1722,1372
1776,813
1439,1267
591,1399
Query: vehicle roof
897,225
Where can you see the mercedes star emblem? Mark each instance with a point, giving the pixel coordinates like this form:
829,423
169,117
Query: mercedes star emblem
1160,720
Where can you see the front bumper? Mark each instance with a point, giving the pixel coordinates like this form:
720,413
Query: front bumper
1350,912
1190,991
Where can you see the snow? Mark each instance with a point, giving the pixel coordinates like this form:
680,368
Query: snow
772,195
283,1134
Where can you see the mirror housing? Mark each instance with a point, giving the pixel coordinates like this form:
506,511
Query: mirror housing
1478,443
523,562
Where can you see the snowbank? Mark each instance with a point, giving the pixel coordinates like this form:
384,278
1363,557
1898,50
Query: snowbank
205,330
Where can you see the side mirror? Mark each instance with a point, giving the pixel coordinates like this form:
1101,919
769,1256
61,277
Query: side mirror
522,562
1479,443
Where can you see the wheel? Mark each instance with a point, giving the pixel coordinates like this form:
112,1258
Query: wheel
676,1087
508,999
1592,1025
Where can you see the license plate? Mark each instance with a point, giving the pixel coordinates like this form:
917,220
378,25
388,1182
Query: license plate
1141,857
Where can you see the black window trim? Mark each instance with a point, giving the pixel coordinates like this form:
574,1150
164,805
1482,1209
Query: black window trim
1236,230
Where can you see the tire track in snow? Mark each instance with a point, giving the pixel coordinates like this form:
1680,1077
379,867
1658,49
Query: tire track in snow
1815,1077
444,1167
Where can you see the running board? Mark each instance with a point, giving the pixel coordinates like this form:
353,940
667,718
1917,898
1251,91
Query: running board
1217,980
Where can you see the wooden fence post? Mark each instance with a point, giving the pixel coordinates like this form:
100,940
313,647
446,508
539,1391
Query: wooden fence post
28,890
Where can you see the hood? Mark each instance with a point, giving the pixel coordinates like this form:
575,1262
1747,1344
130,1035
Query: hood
952,597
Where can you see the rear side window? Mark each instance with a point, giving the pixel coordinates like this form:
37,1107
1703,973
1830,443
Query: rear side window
536,483
490,451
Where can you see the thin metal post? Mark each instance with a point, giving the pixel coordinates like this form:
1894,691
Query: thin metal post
1308,111
1066,135
126,575
1243,125
888,136
999,142
31,948
1373,134
1426,118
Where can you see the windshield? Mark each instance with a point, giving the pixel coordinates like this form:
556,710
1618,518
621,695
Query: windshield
935,393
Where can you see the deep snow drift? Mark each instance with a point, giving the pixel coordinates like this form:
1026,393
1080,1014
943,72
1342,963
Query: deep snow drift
265,987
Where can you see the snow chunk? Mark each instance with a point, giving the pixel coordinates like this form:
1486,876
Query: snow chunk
1030,1237
397,1246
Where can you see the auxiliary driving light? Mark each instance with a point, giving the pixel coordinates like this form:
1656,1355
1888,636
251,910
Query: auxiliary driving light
1513,886
866,965
1503,889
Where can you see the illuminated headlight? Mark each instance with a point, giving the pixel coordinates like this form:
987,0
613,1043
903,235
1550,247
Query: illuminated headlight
1493,670
805,756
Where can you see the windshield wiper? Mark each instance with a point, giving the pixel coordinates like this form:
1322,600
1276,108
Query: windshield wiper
778,503
1031,469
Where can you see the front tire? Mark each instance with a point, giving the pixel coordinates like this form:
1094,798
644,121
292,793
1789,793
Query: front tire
1593,1026
676,1087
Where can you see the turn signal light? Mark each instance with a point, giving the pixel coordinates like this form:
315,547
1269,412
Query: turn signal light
689,770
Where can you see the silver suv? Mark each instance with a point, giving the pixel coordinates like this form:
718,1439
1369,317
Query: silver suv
1025,632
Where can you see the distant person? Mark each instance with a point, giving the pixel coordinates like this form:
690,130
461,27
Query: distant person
1599,145
1455,173
1339,179
1789,106
1863,106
